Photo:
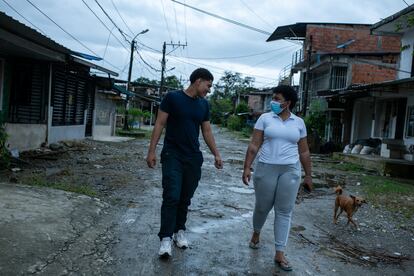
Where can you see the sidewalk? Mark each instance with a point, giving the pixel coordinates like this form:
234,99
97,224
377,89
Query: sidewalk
39,224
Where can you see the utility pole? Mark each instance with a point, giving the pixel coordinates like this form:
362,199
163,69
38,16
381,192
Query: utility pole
307,76
131,58
164,46
163,62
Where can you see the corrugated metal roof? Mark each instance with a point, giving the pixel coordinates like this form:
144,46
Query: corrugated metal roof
298,30
392,17
13,26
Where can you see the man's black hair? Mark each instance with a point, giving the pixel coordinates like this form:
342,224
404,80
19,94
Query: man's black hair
288,93
201,73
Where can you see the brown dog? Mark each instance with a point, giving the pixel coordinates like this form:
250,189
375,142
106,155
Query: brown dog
348,203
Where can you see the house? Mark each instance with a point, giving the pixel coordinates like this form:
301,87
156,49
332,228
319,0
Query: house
336,56
259,100
385,110
47,91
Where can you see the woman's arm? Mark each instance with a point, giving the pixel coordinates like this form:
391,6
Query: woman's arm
253,148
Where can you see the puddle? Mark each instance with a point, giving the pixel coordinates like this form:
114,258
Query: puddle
241,190
203,229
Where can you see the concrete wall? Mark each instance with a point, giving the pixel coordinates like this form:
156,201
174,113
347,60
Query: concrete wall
406,55
60,133
362,119
25,136
104,119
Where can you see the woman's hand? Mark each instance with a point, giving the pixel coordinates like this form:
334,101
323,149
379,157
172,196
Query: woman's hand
247,173
307,183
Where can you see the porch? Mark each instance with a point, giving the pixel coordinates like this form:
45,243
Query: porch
384,166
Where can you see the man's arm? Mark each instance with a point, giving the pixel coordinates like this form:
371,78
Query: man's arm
211,143
155,137
252,149
304,156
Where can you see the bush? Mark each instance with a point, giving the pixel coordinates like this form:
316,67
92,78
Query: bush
242,108
235,123
220,108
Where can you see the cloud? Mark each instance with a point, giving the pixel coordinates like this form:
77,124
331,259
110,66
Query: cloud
205,35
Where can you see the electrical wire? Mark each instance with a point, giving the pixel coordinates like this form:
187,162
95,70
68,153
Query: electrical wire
113,22
16,11
110,30
54,22
165,19
120,16
258,16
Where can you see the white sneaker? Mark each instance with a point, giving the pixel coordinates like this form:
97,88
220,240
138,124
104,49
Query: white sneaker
180,239
165,248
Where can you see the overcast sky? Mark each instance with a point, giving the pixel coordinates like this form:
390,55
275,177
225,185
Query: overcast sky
211,42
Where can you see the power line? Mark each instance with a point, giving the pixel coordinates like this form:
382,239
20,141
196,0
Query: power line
225,19
258,16
81,43
406,3
11,7
165,18
110,31
237,57
113,4
146,63
107,42
110,18
176,24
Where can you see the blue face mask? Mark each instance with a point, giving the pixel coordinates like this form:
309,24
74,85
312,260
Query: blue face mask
276,107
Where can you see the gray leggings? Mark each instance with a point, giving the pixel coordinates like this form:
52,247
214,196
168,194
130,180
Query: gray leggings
276,186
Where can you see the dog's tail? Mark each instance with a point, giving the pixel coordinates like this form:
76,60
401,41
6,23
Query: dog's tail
338,190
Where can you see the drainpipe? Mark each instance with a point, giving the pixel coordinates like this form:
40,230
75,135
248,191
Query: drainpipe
307,76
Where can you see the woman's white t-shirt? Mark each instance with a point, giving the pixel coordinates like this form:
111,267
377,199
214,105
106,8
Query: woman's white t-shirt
280,141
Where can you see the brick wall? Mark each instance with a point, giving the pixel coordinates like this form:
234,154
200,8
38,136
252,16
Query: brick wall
367,73
325,39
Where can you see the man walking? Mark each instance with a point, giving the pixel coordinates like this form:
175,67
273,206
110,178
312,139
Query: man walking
182,113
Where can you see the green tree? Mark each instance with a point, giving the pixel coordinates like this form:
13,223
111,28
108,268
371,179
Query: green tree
172,82
220,110
232,85
242,108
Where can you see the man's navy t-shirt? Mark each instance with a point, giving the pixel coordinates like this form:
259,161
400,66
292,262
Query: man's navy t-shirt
185,116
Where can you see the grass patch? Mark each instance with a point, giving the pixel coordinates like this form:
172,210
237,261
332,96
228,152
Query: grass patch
394,195
41,182
136,133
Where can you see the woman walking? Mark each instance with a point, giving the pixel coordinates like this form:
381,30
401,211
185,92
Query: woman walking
279,137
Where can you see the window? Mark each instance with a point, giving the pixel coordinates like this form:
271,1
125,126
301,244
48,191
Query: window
338,77
409,130
28,92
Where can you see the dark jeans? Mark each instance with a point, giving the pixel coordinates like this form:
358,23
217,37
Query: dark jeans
180,178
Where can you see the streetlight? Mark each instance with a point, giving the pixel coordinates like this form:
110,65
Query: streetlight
129,76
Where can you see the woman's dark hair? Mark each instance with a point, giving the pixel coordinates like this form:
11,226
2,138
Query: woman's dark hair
288,93
201,73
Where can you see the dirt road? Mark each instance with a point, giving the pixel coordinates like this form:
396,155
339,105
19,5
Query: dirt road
117,234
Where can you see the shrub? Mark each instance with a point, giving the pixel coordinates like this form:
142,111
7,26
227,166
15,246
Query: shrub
235,123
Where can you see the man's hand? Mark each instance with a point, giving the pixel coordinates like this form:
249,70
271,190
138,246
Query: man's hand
218,163
151,160
247,174
307,183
